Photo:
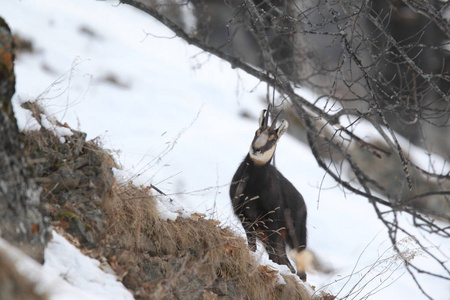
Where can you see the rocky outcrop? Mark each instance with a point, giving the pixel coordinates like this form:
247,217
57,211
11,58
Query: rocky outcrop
22,222
76,176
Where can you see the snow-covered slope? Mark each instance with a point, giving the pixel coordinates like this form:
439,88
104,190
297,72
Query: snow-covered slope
174,120
67,273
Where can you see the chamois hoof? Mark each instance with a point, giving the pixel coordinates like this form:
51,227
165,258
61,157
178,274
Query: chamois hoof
302,276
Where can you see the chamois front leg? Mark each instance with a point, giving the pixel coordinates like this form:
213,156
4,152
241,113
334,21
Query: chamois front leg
251,235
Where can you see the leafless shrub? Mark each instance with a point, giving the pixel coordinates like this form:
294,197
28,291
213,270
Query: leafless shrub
376,65
186,258
365,281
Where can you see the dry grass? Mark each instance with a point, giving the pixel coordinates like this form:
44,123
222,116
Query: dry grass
190,258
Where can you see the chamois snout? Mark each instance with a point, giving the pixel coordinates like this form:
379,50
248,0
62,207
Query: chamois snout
256,151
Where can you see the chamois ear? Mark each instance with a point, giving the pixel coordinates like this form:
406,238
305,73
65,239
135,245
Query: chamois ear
263,119
283,128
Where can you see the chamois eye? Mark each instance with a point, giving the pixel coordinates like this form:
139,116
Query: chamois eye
271,138
258,132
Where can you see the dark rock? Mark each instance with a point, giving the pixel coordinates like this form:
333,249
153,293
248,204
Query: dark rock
81,161
78,139
76,178
153,268
65,179
22,223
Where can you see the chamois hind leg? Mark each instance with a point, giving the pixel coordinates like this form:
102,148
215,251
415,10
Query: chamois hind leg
277,250
303,261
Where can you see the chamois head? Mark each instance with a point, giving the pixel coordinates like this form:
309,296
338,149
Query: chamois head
266,138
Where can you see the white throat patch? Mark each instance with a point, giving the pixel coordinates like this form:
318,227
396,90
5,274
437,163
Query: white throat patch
261,158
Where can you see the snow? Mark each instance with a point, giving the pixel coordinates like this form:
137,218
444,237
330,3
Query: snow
174,122
67,274
169,209
81,271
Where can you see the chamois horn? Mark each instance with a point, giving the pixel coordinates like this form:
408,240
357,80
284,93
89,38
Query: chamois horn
274,122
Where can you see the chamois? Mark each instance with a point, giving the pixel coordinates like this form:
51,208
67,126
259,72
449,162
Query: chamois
267,204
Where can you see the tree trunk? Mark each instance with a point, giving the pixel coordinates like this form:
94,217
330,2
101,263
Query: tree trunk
21,220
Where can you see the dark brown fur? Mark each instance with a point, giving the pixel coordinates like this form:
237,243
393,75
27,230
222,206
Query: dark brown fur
269,207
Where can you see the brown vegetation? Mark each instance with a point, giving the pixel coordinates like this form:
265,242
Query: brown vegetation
189,258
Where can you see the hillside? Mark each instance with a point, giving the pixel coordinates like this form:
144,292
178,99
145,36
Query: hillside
119,224
180,120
